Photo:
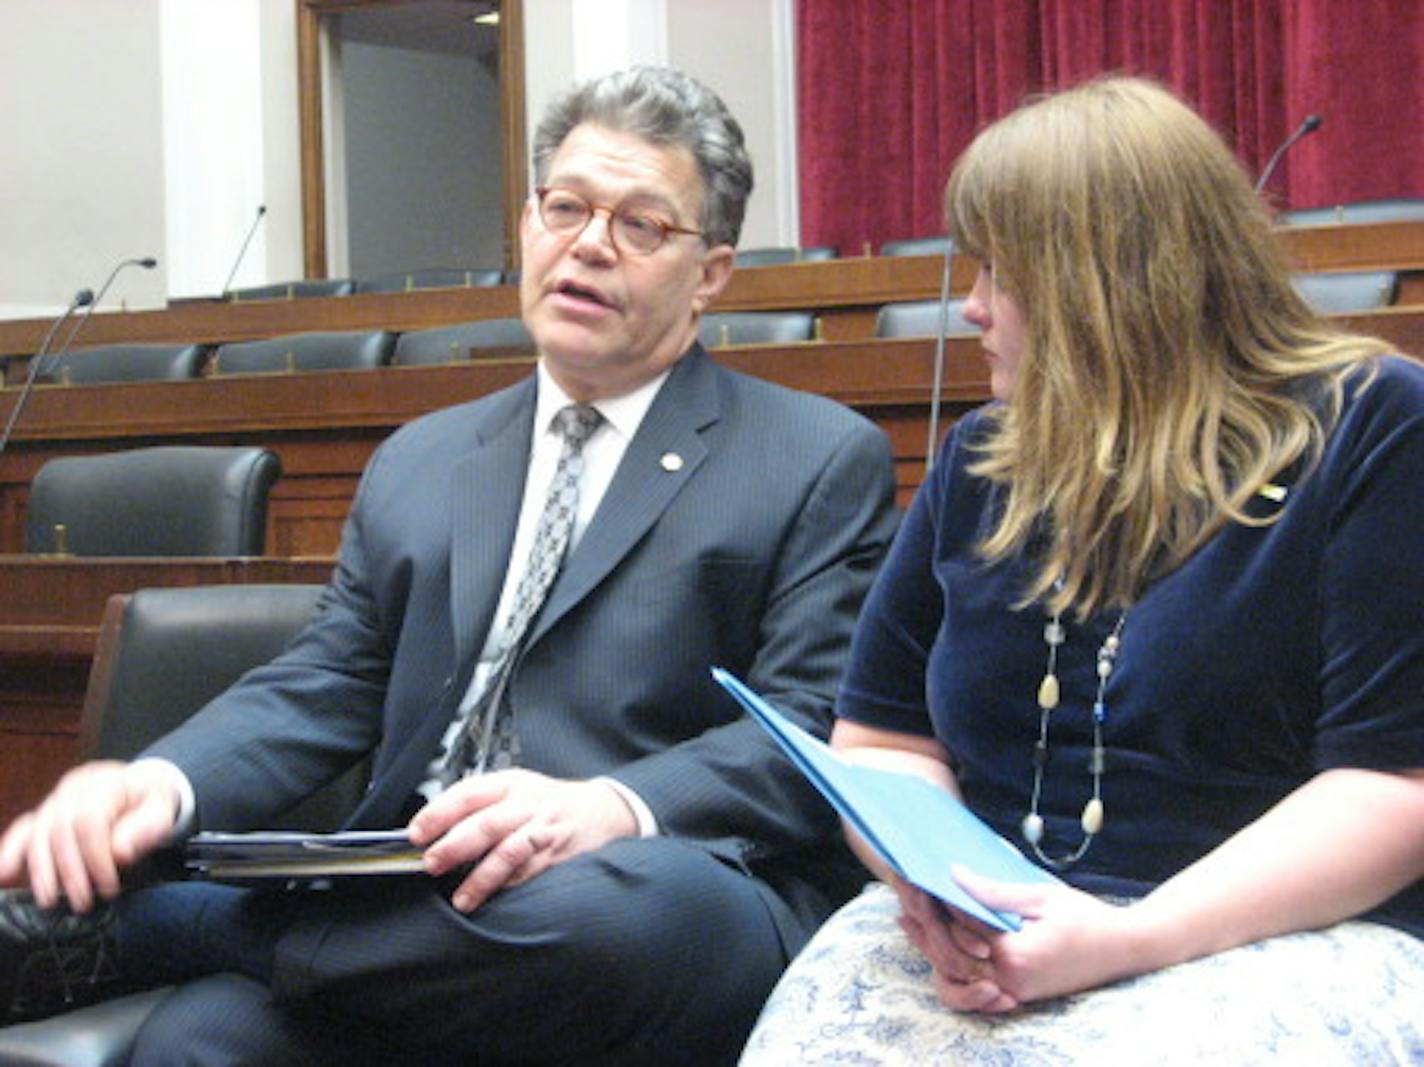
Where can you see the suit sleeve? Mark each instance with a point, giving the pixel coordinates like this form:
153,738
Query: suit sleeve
290,726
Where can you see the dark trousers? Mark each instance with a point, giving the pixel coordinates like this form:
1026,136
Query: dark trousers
647,951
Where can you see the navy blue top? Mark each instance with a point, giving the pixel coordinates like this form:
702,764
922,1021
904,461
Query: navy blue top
1272,654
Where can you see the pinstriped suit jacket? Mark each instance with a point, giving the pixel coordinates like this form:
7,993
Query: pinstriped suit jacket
753,554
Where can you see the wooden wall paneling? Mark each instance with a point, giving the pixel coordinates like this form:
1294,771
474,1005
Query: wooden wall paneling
1365,246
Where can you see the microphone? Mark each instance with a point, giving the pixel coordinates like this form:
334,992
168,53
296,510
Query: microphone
937,389
83,298
1309,124
147,263
261,212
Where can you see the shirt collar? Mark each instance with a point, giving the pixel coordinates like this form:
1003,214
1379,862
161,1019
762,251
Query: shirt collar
624,414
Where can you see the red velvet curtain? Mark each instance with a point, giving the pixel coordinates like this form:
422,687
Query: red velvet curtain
889,93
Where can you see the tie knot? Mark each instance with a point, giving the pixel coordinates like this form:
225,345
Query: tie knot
576,423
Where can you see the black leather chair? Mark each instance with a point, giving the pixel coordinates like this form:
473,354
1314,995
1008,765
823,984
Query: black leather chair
1393,209
1347,291
455,344
124,363
293,290
780,257
354,350
431,278
916,246
720,328
162,654
171,500
920,318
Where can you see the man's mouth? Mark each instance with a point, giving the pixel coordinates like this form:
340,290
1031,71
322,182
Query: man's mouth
583,293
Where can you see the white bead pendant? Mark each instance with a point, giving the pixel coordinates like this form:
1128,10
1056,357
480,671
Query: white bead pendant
1092,816
1033,828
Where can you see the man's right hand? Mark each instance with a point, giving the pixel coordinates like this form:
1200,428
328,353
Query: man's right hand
100,818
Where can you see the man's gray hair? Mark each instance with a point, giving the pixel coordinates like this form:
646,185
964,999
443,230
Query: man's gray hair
668,108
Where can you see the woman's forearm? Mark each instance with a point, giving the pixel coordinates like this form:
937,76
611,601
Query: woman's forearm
1339,845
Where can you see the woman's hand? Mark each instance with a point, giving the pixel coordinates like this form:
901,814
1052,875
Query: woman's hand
1069,941
956,946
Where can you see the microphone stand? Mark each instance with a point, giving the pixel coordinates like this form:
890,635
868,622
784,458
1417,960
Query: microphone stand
261,211
85,297
147,263
1309,124
937,389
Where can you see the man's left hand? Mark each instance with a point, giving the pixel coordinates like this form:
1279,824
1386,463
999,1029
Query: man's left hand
514,824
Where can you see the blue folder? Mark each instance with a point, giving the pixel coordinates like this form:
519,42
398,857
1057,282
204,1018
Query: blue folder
917,828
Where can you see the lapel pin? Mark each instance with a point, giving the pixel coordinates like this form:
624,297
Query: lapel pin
671,462
1272,491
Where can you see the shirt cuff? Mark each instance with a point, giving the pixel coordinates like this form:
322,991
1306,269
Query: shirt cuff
647,823
187,801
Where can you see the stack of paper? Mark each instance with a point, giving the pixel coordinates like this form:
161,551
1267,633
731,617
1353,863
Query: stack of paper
267,855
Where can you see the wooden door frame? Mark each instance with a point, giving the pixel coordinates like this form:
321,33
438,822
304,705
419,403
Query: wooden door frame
309,80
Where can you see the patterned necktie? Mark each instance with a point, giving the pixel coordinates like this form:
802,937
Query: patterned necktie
487,741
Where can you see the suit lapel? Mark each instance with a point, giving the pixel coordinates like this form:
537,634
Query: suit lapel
486,491
660,460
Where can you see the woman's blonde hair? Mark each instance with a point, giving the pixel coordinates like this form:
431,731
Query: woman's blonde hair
1171,368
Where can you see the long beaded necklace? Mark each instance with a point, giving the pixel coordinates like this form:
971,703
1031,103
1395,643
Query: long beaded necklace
1054,635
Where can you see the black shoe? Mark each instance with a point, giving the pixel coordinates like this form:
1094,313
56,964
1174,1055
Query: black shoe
53,960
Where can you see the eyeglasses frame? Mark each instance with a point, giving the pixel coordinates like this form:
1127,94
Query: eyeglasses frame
541,191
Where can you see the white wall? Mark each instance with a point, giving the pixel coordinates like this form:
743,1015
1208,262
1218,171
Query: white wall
82,185
145,128
88,180
741,48
230,144
281,143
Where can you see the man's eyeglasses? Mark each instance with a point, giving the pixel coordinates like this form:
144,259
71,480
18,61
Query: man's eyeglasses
631,230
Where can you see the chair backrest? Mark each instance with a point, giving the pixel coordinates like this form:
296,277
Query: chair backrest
171,500
356,350
165,653
778,257
431,278
916,246
1346,291
1394,209
920,318
294,290
125,363
755,328
454,344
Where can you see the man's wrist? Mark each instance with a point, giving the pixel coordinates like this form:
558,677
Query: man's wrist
186,806
642,814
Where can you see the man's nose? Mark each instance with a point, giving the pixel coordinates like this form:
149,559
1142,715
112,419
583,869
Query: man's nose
598,231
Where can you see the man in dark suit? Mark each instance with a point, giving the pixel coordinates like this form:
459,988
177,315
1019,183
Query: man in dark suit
633,862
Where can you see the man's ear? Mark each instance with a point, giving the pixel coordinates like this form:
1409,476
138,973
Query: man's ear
716,270
526,223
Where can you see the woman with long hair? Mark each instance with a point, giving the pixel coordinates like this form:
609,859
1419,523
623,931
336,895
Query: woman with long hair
1157,617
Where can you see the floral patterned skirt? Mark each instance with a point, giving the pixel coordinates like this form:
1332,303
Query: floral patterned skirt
860,994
